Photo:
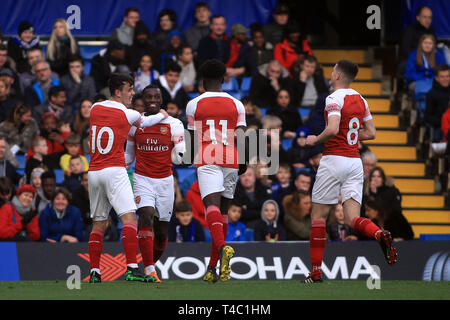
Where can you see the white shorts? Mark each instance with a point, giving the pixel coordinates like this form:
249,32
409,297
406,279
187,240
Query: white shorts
110,188
338,175
156,193
213,178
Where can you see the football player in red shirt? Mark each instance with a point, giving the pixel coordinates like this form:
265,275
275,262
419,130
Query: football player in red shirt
340,170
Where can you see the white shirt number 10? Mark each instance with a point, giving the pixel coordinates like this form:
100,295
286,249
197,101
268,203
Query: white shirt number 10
96,140
212,131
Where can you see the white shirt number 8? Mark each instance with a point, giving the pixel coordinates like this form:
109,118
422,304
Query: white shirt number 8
96,139
353,130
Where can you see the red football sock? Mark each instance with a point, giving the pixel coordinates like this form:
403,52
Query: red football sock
158,249
95,248
215,224
214,250
130,242
317,241
145,236
366,227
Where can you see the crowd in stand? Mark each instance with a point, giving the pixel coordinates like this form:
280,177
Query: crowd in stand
45,102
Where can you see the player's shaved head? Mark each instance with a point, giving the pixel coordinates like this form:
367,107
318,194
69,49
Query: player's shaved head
152,98
212,72
348,68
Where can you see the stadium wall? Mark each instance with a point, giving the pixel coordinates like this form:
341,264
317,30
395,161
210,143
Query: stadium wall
418,260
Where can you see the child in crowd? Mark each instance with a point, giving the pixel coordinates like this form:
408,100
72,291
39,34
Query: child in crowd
35,178
188,74
184,227
145,74
236,229
268,229
252,113
73,147
283,186
39,158
76,169
338,230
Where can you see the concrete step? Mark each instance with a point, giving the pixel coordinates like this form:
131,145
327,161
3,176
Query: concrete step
333,56
389,121
394,152
378,105
423,201
364,73
429,229
415,185
367,88
427,216
389,137
403,169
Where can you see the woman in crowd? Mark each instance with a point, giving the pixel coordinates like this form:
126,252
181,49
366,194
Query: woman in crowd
60,221
421,62
60,47
81,124
288,114
18,219
297,215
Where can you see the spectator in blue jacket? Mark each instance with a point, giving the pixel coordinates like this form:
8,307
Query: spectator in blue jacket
60,221
236,229
421,62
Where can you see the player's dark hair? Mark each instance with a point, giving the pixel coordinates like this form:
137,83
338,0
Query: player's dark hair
117,81
348,68
54,91
212,69
131,9
183,206
172,66
150,86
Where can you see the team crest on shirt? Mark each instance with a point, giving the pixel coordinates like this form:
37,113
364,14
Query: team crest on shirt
137,199
163,130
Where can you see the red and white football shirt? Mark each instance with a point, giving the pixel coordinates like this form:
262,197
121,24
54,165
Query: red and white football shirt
215,117
154,147
353,110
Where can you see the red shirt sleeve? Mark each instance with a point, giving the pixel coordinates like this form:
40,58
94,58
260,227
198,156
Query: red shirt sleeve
8,228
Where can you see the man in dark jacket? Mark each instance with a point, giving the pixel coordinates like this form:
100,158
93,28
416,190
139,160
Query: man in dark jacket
56,104
37,92
438,97
241,61
251,194
217,44
19,45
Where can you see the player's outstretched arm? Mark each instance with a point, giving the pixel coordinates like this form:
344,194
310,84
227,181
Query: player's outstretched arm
368,131
148,121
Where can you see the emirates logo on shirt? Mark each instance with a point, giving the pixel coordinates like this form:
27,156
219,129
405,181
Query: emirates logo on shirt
164,130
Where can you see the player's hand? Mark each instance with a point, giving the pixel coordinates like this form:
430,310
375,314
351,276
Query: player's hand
242,168
164,112
67,238
350,238
311,140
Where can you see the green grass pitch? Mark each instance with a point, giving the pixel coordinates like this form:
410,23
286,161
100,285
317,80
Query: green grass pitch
231,290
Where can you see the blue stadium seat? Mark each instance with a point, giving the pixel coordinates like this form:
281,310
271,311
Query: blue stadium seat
186,177
59,173
88,52
88,157
22,161
208,237
231,85
87,67
297,170
193,95
245,85
263,111
435,237
286,144
20,172
304,112
249,235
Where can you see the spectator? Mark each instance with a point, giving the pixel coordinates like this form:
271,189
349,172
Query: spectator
292,46
184,227
60,47
283,184
369,161
188,75
273,32
80,199
266,84
337,230
438,97
240,62
137,103
7,102
314,160
297,215
236,229
202,13
74,174
145,74
6,191
7,169
81,124
78,86
251,194
39,158
6,62
409,39
35,178
169,54
261,171
302,181
20,44
125,33
55,138
44,195
167,22
73,146
273,124
37,92
171,87
19,128
217,44
198,208
56,104
310,81
262,51
300,152
12,82
422,61
378,211
106,62
142,46
252,113
268,228
18,219
175,111
60,221
288,114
